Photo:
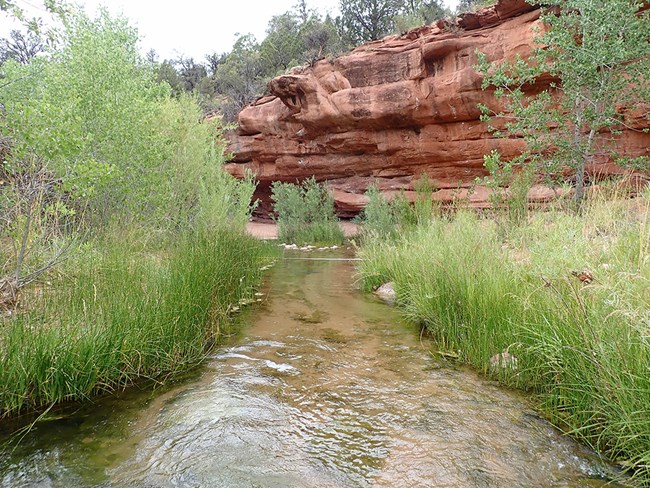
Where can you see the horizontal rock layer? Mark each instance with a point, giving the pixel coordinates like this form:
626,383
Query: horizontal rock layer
395,109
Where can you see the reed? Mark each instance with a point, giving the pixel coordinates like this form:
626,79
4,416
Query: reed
120,313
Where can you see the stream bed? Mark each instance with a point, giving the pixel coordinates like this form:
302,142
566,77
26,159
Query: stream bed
323,387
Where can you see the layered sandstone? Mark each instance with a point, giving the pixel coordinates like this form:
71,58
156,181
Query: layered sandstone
394,109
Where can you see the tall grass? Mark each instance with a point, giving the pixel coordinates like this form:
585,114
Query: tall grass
124,314
567,295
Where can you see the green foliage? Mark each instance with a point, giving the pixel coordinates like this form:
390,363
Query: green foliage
379,217
113,136
91,111
509,183
416,13
55,10
367,20
305,213
566,295
473,5
92,138
599,55
240,78
102,166
293,40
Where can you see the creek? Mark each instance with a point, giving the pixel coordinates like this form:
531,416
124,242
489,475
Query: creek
322,387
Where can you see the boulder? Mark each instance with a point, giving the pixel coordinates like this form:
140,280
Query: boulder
386,292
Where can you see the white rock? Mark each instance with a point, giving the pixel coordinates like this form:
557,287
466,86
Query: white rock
386,292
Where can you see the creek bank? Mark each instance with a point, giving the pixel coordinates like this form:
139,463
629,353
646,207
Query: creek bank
268,230
122,314
326,388
556,306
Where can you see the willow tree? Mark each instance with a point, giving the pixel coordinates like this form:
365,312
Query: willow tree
598,53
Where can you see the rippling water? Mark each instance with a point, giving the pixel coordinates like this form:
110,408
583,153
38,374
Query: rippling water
325,388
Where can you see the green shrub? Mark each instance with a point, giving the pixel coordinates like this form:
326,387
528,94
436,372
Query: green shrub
388,219
305,213
103,167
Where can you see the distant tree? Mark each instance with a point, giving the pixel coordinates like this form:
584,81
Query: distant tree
240,78
367,20
212,62
320,39
290,41
293,38
20,46
415,13
151,57
470,5
166,71
282,47
425,10
303,12
190,73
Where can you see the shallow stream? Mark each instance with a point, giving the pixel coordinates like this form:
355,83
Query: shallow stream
324,387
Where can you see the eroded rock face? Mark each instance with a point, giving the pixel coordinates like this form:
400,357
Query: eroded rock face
394,109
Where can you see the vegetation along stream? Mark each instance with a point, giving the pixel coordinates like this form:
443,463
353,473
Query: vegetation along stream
324,387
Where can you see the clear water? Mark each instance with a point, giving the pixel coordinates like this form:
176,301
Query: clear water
325,387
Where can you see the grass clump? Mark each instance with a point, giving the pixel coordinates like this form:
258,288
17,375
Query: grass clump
305,213
568,296
123,314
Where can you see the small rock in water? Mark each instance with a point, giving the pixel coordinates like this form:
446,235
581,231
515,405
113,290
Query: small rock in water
386,292
503,360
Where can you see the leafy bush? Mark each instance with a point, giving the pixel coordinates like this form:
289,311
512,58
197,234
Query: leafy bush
99,158
305,213
388,219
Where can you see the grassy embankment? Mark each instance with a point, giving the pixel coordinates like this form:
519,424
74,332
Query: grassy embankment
581,345
119,313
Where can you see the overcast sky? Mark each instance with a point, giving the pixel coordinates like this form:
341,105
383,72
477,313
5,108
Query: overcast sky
194,28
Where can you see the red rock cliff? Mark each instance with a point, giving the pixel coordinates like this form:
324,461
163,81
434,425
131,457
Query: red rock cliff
392,110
